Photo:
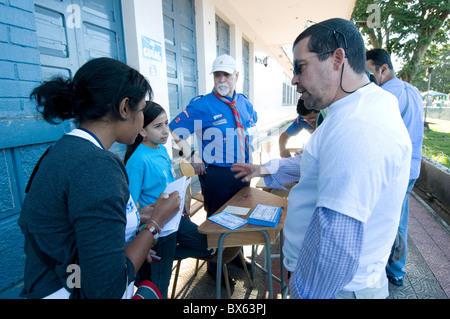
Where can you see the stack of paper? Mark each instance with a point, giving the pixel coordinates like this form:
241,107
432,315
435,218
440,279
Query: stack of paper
179,185
265,215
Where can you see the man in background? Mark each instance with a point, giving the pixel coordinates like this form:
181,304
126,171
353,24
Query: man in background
411,109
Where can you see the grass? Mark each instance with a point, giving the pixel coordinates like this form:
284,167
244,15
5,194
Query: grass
437,139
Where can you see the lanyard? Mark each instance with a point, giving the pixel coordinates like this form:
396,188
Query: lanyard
87,135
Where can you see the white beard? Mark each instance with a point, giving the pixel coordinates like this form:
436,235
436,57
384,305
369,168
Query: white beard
223,89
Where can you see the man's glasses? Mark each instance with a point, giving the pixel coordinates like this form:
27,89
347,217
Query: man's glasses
298,63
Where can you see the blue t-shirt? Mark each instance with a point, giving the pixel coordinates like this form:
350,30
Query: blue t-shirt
412,117
149,172
213,122
298,125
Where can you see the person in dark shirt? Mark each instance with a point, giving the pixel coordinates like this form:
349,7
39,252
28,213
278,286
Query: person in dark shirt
78,218
307,119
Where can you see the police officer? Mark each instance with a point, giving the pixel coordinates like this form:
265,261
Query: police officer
223,121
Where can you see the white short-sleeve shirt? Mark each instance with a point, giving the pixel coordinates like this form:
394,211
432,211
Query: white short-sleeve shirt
356,163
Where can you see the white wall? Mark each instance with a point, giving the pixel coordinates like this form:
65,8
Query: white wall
143,21
266,82
144,18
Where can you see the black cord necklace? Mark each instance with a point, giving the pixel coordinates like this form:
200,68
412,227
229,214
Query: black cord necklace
342,73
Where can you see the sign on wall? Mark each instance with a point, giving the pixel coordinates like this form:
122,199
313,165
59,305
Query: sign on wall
151,49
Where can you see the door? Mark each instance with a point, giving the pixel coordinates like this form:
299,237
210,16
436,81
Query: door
181,53
72,32
222,37
68,33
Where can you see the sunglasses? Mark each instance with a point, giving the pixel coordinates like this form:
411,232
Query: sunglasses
298,63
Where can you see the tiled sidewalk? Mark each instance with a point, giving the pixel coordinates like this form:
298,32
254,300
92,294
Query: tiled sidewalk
427,267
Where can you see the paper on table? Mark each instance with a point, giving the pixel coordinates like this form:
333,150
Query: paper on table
265,215
228,220
236,210
179,185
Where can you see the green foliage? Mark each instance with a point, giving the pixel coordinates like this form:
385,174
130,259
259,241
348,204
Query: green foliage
407,29
437,139
439,60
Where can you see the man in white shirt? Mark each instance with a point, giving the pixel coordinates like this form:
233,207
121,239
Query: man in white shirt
343,215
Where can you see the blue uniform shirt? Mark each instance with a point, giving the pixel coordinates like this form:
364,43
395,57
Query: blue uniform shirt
214,124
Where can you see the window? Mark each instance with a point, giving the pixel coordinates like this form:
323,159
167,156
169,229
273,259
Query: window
290,94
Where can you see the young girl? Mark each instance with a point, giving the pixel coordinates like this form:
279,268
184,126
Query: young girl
75,211
149,169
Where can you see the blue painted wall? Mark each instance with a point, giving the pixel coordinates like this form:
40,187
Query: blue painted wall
24,136
20,147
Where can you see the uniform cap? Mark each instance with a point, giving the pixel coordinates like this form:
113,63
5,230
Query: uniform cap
224,63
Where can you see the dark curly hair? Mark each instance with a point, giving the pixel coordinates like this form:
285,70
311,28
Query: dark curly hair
96,90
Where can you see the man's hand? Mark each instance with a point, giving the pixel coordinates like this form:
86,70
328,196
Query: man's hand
285,153
248,171
198,164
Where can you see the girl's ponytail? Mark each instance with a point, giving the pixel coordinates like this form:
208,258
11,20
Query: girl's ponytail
95,91
55,99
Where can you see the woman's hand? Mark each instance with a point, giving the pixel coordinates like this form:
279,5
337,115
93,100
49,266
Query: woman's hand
149,256
146,213
165,208
162,211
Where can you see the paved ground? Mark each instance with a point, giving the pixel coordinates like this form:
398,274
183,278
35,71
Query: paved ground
428,260
428,265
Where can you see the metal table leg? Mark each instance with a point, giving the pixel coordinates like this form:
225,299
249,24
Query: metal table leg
268,264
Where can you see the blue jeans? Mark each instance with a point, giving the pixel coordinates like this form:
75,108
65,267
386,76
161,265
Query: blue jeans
396,270
186,242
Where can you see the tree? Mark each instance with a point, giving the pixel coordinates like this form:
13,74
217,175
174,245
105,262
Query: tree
405,28
439,59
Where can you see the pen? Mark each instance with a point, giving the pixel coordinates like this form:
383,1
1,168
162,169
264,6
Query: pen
155,258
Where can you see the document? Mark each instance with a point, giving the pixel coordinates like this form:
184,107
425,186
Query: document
179,185
265,215
235,210
228,220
